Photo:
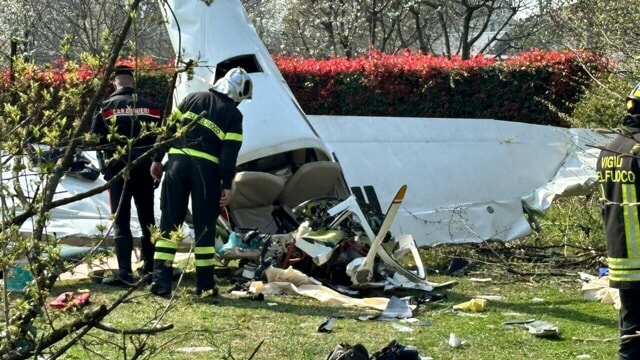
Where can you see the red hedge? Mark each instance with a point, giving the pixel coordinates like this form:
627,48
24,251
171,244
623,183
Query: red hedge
526,88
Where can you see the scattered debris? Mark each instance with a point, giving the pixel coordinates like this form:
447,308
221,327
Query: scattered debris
537,328
292,281
345,351
426,298
402,328
518,322
457,267
395,350
603,271
70,299
473,305
597,289
454,341
195,349
327,325
396,309
255,297
543,329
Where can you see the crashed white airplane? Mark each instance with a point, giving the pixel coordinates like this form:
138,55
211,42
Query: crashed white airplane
468,180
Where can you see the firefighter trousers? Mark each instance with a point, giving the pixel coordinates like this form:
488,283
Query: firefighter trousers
186,176
629,324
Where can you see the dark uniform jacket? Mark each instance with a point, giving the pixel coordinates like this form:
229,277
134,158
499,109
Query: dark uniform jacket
217,134
129,117
619,179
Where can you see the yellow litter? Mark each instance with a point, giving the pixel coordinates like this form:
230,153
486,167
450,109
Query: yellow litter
474,305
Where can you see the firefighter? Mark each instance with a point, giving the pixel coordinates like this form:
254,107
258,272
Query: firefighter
128,113
618,171
201,165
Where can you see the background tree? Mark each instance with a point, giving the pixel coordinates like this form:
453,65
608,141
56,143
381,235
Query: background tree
604,27
597,25
34,111
322,28
50,29
311,28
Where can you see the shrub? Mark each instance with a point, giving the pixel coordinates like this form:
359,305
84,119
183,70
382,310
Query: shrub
602,105
536,87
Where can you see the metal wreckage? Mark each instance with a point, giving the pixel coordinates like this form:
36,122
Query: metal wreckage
322,230
344,244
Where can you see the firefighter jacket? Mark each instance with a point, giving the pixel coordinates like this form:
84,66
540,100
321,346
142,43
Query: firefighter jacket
214,131
618,170
129,116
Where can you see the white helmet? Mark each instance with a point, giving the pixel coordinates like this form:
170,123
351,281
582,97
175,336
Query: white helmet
236,84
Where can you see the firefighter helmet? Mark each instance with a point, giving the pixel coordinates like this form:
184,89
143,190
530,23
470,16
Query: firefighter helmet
236,84
633,99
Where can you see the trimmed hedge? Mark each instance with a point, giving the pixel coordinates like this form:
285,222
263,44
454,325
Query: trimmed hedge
152,78
532,87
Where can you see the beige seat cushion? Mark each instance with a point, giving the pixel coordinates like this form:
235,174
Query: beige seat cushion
252,196
311,180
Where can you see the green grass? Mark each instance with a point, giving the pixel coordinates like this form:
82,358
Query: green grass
234,327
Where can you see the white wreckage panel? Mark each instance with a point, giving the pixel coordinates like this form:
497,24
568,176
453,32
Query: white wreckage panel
468,180
79,222
221,32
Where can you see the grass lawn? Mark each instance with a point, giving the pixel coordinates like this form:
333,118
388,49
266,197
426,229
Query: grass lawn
287,325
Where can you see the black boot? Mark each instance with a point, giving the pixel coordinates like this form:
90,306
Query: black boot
122,279
205,282
162,277
147,249
123,249
146,272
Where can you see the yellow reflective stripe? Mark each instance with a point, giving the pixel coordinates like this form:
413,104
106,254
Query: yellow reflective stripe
631,225
206,123
204,255
624,276
165,250
194,153
233,137
622,263
191,115
203,250
177,113
158,255
213,127
164,243
204,262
